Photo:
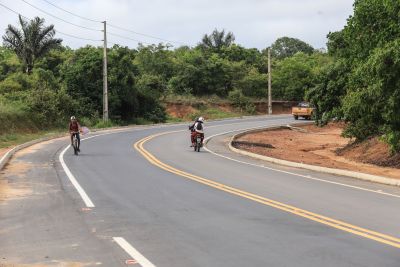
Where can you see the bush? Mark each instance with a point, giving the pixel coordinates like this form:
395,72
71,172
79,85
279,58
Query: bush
15,117
254,84
242,102
104,124
156,115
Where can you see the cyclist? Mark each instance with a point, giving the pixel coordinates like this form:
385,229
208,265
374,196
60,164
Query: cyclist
74,129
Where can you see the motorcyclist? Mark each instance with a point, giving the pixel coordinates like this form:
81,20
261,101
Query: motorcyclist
197,128
74,129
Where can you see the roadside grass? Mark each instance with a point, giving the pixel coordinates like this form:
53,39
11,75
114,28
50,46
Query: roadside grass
13,139
189,99
171,119
208,112
213,113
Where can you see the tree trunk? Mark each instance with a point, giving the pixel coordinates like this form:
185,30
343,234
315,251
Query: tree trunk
28,69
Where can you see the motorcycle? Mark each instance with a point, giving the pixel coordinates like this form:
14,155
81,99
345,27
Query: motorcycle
197,137
197,142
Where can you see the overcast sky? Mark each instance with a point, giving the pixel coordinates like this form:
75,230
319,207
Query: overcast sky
255,23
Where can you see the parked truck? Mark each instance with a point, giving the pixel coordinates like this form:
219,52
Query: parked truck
303,109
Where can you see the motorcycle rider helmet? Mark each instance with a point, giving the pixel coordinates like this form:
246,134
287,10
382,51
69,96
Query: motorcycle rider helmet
73,118
201,119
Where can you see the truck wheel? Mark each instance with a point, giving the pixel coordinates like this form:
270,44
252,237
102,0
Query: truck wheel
296,117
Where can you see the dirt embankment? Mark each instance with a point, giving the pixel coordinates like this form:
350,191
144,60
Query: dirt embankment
213,110
325,147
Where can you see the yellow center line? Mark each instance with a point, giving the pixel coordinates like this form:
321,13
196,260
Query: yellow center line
347,227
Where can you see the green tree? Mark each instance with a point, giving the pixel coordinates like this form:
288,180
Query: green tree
292,77
83,79
9,63
82,75
330,86
199,74
155,60
33,41
55,59
286,47
373,24
372,105
254,84
217,40
362,87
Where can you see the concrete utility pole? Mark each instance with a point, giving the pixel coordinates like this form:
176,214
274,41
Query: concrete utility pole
269,83
105,87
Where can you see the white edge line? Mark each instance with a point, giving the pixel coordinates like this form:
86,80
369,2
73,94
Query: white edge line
71,177
5,155
74,182
133,252
290,173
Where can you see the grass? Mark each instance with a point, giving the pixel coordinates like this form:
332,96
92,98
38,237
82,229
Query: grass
212,113
16,138
13,139
171,119
189,99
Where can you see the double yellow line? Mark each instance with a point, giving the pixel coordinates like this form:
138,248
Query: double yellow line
379,237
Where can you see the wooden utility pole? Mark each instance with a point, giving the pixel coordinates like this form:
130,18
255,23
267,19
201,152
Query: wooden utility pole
269,83
105,87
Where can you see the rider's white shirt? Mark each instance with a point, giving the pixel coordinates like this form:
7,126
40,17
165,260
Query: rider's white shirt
197,130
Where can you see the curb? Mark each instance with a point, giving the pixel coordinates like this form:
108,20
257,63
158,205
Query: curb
352,174
10,153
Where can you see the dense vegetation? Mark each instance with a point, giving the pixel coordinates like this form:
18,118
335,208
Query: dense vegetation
362,85
42,83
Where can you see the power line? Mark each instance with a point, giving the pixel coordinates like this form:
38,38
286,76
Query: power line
69,12
115,26
76,25
128,38
88,39
66,34
143,34
76,37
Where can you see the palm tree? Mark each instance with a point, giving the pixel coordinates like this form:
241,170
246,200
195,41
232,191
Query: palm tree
217,39
33,41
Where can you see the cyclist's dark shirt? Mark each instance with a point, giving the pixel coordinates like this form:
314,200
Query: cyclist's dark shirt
74,126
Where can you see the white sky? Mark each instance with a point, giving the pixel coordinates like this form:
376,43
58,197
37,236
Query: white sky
255,23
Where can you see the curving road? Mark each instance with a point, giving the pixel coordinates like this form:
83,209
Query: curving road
144,195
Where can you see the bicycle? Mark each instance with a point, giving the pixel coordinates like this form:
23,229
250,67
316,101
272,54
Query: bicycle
75,143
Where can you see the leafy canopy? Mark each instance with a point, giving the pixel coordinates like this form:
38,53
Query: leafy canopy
32,41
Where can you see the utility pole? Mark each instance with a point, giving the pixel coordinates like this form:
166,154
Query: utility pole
105,87
269,83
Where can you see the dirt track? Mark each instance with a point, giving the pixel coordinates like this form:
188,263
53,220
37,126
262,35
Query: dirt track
325,147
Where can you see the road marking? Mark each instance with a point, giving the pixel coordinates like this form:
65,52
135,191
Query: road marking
71,177
347,227
292,173
130,262
6,154
136,255
86,199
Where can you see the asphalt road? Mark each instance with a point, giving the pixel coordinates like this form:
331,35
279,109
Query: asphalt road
162,204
